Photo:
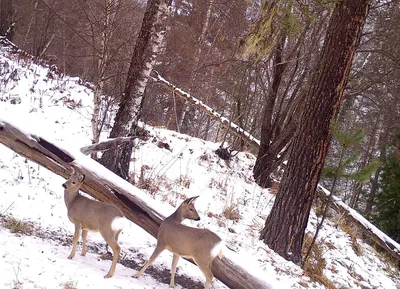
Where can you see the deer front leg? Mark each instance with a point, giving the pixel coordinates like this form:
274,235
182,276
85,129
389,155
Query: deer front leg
153,256
75,240
84,238
175,260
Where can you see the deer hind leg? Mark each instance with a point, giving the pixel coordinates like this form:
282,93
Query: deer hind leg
75,240
206,269
112,242
117,235
157,251
175,260
84,238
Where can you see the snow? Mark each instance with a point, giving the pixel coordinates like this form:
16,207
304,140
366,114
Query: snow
370,227
47,107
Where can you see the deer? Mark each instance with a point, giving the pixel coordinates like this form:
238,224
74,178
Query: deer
91,215
200,245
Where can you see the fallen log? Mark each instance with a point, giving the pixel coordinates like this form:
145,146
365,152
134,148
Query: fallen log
366,228
105,186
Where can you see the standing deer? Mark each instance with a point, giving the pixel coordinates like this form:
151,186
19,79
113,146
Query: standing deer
200,245
87,214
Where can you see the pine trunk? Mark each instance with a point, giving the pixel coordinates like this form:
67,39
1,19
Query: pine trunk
285,226
6,19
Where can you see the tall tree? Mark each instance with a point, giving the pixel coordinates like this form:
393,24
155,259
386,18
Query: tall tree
286,36
285,226
6,19
148,46
388,205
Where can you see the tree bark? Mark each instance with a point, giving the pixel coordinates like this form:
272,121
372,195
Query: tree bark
107,187
6,19
147,48
102,64
285,226
265,158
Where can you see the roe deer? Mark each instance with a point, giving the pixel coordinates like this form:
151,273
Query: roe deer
87,214
200,245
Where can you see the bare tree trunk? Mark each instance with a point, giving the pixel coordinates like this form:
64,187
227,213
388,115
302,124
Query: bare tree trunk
285,226
101,69
372,193
265,158
184,123
375,181
6,19
148,46
368,154
30,23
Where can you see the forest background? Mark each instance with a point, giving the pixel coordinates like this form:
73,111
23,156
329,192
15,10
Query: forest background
251,61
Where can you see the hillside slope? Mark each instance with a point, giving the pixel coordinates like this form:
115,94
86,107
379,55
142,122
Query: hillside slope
35,233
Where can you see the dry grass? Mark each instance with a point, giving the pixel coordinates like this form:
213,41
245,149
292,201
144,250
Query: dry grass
184,181
319,207
16,226
69,285
220,221
220,184
315,264
231,212
147,183
205,157
346,226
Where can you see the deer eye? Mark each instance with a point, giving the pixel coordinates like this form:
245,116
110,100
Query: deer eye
73,183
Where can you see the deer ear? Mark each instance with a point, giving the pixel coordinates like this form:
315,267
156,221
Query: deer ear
73,171
191,200
82,178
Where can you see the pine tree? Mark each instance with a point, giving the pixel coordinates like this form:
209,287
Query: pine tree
388,201
347,142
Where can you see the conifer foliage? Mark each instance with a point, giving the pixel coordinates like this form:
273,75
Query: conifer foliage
388,201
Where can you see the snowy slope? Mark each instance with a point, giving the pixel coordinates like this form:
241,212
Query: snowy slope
59,108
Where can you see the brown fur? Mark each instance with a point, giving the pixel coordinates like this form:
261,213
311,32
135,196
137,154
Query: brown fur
87,214
200,245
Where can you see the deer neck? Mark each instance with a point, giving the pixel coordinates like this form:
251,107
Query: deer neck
69,197
176,217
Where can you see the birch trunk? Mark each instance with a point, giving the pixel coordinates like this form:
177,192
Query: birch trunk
147,48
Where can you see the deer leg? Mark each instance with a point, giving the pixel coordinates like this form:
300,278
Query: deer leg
175,260
75,240
206,269
157,251
110,239
84,238
117,235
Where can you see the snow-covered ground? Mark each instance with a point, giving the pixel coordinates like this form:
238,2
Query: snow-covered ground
58,108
